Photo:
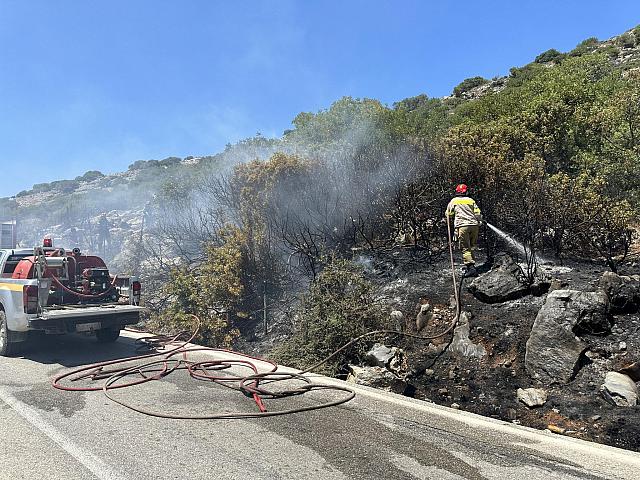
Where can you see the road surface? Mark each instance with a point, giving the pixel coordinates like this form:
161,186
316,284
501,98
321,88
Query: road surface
51,434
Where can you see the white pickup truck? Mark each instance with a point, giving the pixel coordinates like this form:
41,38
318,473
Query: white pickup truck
57,292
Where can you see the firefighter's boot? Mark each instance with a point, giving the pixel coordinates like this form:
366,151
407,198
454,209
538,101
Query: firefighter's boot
470,270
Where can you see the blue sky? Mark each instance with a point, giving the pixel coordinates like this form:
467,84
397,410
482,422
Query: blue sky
99,84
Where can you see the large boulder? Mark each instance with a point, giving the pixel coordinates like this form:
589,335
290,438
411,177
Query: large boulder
619,389
502,283
623,291
554,351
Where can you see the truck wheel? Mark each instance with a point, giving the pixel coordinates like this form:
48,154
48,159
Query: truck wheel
7,348
107,335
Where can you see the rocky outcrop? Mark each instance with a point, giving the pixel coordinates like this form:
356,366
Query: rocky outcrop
620,390
623,291
461,344
502,283
554,351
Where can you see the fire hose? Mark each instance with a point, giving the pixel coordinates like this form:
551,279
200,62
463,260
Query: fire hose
257,385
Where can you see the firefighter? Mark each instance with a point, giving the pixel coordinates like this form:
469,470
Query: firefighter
467,219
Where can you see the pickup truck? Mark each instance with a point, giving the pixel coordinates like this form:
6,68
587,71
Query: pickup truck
55,291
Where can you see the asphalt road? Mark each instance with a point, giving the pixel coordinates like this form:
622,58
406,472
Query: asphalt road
51,434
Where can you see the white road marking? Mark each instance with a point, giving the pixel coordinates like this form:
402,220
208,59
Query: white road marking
91,462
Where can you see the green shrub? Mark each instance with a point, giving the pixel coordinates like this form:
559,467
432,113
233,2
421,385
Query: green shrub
521,75
338,307
169,161
626,40
65,186
90,176
610,51
211,290
468,84
551,55
41,187
412,103
586,46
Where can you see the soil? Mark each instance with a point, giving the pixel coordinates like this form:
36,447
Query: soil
487,386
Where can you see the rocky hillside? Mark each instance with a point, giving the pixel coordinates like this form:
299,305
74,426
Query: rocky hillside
104,213
97,213
562,356
622,50
108,214
558,349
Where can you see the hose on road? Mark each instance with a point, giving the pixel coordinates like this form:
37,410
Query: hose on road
169,354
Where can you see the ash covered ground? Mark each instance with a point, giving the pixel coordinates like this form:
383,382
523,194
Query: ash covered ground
488,385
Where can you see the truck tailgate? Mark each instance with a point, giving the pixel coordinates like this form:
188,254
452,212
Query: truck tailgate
86,318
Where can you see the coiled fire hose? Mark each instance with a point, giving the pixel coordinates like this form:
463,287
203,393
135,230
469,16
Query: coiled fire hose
154,366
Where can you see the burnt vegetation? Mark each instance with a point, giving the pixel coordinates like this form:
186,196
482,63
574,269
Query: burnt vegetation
552,156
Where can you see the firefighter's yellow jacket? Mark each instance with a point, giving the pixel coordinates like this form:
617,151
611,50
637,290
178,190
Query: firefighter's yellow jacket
466,212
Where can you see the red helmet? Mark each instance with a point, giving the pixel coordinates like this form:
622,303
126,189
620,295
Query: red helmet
461,189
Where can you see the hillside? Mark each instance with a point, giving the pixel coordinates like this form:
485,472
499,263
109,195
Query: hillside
61,206
338,225
104,214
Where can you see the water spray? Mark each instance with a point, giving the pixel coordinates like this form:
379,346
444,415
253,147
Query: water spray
512,242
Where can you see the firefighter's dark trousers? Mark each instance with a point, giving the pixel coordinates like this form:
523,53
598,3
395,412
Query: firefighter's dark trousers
468,238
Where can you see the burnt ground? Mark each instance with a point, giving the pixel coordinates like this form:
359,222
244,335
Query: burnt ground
487,386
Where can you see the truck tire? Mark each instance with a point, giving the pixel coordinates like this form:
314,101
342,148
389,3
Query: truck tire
7,348
107,335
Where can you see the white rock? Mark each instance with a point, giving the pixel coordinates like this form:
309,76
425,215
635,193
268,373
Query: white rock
397,319
461,344
376,377
620,389
532,397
